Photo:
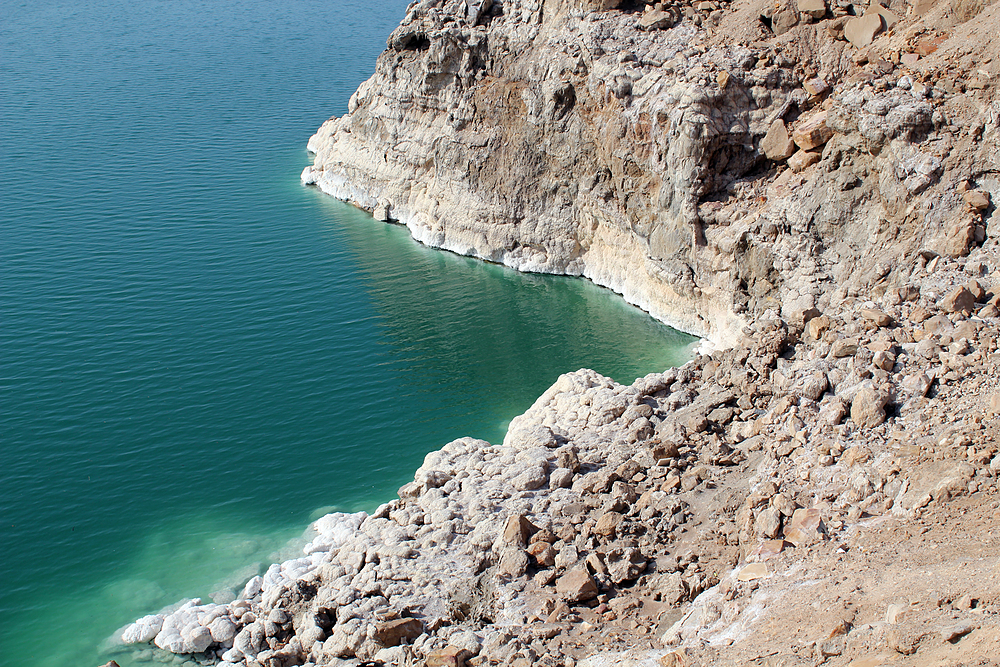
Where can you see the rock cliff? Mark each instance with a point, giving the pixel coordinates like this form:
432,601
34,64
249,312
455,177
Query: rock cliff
631,144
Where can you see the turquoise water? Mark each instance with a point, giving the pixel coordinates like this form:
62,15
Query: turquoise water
197,354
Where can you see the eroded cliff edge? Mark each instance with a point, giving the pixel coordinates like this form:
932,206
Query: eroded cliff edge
627,144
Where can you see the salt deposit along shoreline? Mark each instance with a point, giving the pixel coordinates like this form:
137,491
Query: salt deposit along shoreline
814,191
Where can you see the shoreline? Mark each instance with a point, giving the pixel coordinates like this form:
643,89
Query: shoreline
845,269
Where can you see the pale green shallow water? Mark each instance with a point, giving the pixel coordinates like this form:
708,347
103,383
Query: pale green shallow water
197,354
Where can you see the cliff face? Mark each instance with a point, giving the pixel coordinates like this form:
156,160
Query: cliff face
572,137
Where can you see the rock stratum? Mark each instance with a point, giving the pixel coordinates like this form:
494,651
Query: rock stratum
809,185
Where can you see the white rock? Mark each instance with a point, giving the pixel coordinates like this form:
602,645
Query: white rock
143,630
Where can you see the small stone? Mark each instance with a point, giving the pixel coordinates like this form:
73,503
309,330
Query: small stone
802,160
577,585
513,563
517,530
607,525
844,347
861,30
776,144
909,59
449,656
812,132
959,299
855,455
768,523
894,614
656,20
394,633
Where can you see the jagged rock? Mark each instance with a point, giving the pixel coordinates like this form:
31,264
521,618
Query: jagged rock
802,160
806,527
656,20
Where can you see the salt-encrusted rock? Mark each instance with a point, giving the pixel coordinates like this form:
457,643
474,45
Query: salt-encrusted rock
143,630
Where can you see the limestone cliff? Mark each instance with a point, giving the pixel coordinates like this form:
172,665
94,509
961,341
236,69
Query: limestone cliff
630,147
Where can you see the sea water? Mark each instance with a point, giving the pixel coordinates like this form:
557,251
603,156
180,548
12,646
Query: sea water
198,355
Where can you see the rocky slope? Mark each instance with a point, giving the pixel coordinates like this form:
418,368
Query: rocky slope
809,185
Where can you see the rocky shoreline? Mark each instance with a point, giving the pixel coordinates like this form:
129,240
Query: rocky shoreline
810,186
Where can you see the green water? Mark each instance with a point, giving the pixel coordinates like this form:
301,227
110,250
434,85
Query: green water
197,354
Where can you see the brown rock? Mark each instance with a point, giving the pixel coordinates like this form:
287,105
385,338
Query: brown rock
835,28
449,656
889,17
802,160
853,455
577,585
929,45
656,20
753,571
393,633
543,553
959,299
817,326
909,59
844,347
812,132
861,30
776,144
784,18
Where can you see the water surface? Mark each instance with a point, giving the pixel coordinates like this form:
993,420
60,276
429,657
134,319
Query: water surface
197,354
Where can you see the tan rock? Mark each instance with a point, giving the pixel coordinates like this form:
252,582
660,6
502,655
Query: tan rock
888,16
994,405
770,548
844,347
812,132
854,455
656,20
816,87
958,300
518,530
878,317
577,585
861,30
802,160
753,571
607,525
393,633
449,656
543,553
977,200
815,9
806,527
776,144
868,408
909,59
817,326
